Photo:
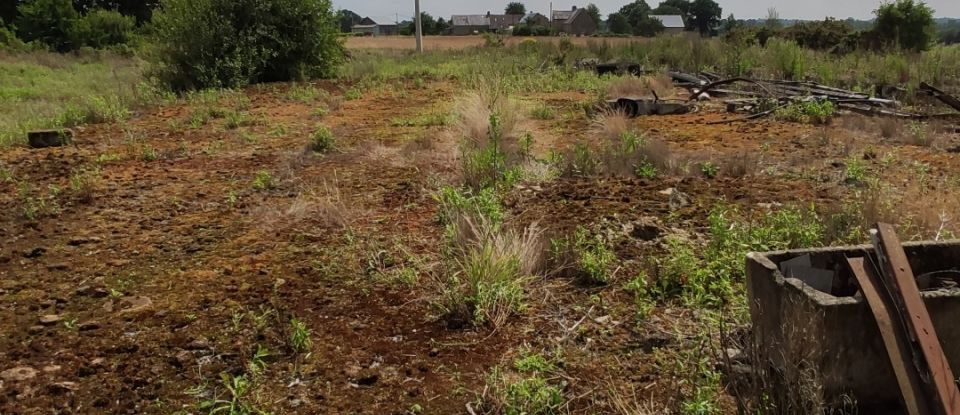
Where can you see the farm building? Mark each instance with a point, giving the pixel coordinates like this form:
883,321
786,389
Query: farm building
462,25
574,22
369,27
671,23
535,19
481,23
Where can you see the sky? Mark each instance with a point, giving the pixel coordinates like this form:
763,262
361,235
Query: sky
385,11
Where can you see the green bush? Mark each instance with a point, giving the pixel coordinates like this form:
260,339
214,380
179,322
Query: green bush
49,22
102,28
229,43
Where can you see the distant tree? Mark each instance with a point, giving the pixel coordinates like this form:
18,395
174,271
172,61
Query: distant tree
635,13
516,8
594,12
649,27
906,23
346,19
47,21
821,35
705,16
441,27
730,24
102,28
617,23
773,19
142,10
8,11
682,5
428,23
667,10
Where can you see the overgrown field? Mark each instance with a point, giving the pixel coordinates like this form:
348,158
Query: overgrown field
460,231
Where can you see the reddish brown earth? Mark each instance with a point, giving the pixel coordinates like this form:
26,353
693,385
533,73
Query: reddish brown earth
178,268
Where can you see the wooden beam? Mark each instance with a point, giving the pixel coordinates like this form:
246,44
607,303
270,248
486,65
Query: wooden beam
902,286
894,336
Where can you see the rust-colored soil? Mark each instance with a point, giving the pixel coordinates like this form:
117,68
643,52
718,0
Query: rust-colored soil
177,268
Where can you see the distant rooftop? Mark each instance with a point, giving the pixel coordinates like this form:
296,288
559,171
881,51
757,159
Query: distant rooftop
670,21
470,20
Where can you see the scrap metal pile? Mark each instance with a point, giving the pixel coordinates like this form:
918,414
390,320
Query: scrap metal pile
760,98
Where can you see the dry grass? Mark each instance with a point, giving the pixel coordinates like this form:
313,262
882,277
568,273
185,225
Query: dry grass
623,148
464,42
325,210
740,164
485,280
491,142
661,85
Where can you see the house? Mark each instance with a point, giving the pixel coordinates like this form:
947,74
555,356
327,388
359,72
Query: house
480,23
574,22
461,25
368,27
671,23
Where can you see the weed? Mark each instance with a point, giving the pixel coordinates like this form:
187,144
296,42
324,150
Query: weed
642,296
236,119
812,111
306,94
322,141
646,170
709,170
543,112
263,181
527,392
299,336
856,170
487,271
148,153
84,183
353,94
455,203
238,388
107,158
258,363
583,256
491,151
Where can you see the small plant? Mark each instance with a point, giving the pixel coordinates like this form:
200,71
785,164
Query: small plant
236,119
529,391
84,183
856,170
257,364
808,112
353,94
709,170
299,336
642,297
543,112
322,141
263,181
238,387
148,153
455,203
587,257
646,170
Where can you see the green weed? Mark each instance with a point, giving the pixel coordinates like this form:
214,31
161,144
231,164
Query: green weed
263,181
322,140
299,336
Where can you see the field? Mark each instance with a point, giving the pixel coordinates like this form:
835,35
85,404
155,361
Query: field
432,43
450,233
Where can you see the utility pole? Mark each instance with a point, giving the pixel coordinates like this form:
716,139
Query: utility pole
419,27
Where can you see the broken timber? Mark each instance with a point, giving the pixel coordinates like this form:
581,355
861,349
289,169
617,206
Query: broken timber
940,95
928,354
893,334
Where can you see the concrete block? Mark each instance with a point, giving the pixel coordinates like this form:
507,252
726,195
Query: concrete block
50,138
808,341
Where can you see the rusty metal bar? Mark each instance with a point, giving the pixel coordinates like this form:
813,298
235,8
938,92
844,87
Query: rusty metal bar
894,336
902,286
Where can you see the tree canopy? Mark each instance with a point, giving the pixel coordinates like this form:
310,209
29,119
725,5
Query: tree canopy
705,16
516,8
617,23
906,24
594,12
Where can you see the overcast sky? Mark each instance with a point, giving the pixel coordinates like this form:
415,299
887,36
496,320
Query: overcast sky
385,11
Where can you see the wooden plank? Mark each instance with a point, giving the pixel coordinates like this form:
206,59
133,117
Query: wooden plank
940,95
894,337
902,286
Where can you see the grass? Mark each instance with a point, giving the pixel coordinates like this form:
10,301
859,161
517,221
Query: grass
492,148
322,140
583,256
299,341
530,388
46,90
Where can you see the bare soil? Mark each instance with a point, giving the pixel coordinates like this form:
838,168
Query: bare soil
177,268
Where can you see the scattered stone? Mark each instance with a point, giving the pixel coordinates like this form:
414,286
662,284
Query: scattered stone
199,344
63,387
50,138
82,240
135,304
50,319
58,267
89,326
678,199
34,253
434,352
51,369
97,362
602,320
183,359
108,306
35,329
18,374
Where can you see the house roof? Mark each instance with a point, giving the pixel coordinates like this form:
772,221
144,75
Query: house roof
364,26
562,14
470,20
531,16
670,21
367,22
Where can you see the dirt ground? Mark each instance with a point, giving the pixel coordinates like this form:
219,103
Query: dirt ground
134,298
461,42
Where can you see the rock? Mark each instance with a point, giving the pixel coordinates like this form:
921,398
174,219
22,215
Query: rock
50,319
34,253
434,352
18,374
50,138
58,267
199,344
108,306
183,359
135,304
82,240
63,387
51,369
88,326
35,329
678,199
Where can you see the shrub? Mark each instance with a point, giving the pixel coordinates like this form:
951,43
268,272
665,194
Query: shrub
102,28
49,22
583,256
906,24
254,41
787,58
322,140
809,112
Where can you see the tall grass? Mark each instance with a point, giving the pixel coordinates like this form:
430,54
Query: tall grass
41,90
